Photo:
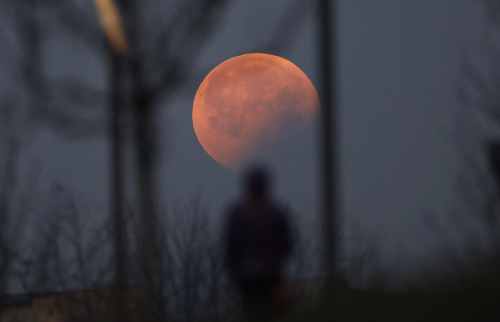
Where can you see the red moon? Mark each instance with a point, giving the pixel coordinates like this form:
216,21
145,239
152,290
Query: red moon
250,100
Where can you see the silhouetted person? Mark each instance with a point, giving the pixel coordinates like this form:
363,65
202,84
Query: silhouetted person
258,242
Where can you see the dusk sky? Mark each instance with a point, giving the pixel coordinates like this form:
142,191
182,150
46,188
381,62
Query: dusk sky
398,76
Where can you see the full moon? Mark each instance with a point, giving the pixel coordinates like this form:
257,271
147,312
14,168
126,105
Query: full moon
249,101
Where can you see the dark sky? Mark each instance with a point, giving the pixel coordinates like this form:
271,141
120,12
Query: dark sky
398,73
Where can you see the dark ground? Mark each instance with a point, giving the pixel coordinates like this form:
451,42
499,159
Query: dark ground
479,304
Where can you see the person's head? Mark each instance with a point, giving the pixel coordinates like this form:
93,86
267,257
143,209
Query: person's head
257,182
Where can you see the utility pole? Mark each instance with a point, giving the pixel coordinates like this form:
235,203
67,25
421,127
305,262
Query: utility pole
328,96
116,163
110,20
145,143
125,38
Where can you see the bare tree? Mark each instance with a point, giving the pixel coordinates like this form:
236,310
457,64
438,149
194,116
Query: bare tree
192,281
69,252
71,248
18,187
71,255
